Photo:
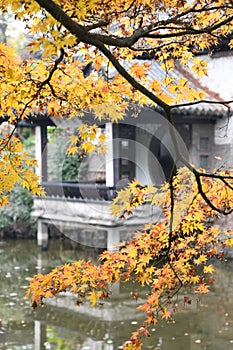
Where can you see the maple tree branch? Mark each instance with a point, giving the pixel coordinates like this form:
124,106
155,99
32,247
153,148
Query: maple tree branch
97,25
188,31
83,34
57,12
215,176
177,19
177,290
129,77
52,71
8,139
53,91
144,32
157,47
125,10
198,176
47,81
176,275
226,183
206,199
188,104
172,206
40,87
223,178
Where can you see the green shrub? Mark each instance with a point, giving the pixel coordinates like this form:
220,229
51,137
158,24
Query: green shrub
16,216
62,166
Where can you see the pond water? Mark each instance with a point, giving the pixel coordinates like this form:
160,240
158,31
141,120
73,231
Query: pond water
206,324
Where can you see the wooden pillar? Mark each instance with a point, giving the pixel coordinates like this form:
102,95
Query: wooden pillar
109,157
39,335
42,234
38,151
41,151
44,153
116,160
113,238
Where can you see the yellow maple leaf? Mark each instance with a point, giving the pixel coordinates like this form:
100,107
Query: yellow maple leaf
209,269
165,313
102,138
138,71
229,242
72,150
195,279
88,147
202,259
202,289
133,253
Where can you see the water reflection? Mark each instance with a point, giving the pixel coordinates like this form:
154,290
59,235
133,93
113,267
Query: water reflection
206,324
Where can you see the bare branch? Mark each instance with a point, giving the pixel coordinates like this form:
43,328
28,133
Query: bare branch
188,104
198,176
55,67
97,25
189,31
172,191
207,200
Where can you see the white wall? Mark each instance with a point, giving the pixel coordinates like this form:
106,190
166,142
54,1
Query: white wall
220,75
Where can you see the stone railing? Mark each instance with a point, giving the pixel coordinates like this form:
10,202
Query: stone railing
79,190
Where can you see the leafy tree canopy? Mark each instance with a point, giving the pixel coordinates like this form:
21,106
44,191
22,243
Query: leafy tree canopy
69,36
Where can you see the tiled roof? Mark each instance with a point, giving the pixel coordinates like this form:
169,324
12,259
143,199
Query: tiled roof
156,72
202,110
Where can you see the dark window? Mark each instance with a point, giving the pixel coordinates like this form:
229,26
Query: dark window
204,161
204,143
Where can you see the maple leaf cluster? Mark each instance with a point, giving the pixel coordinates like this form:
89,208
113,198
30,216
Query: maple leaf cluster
165,256
16,167
108,36
89,139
